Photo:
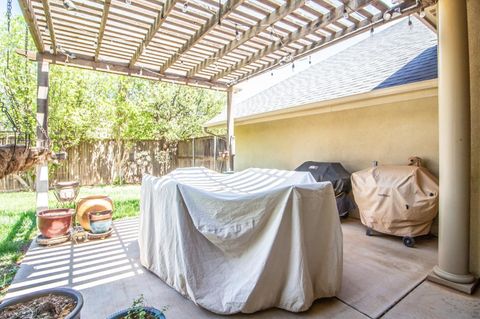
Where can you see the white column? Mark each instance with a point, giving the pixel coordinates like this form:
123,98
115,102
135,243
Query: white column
454,146
230,131
42,117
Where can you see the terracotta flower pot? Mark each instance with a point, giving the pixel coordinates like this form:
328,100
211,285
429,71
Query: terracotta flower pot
100,222
95,203
55,222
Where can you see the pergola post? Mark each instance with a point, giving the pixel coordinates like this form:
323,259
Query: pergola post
230,131
42,139
454,148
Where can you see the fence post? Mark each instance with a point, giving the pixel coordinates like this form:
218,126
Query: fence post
214,153
193,151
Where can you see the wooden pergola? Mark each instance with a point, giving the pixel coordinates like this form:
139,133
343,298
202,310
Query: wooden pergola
213,44
207,43
217,44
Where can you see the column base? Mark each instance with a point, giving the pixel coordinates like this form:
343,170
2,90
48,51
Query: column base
465,283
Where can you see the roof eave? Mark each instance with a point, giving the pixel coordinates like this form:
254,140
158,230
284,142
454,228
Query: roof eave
394,94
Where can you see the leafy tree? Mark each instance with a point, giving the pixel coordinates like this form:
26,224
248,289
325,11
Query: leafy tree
87,105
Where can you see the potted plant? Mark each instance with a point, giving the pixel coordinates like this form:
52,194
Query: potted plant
56,303
139,310
55,222
100,222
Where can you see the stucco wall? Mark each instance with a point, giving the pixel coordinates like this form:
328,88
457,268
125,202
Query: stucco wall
389,134
473,7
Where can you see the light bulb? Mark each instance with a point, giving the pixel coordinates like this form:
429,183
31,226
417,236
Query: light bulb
185,7
128,2
410,23
345,13
387,16
422,13
238,36
69,5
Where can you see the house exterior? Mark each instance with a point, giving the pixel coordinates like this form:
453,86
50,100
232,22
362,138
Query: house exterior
375,100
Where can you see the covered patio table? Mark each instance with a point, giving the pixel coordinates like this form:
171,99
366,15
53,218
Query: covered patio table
244,242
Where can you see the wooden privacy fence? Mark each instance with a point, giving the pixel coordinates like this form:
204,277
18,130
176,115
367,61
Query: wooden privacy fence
109,162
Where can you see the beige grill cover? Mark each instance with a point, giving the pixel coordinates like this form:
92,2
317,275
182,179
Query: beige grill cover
397,200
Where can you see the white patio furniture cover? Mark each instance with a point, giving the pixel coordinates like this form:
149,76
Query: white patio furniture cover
244,242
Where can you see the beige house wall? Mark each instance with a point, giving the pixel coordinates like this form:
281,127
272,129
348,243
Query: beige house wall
473,7
387,133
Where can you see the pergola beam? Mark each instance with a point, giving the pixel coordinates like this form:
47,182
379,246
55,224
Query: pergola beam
118,68
408,8
255,30
226,9
193,37
106,10
31,20
313,25
51,30
161,17
373,22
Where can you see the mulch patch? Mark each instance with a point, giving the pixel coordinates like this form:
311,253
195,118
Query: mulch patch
45,307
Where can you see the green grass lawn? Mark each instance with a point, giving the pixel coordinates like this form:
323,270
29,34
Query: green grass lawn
18,222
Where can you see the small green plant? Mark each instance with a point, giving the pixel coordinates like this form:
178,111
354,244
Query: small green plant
137,309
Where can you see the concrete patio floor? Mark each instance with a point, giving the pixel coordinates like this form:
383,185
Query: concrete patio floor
381,278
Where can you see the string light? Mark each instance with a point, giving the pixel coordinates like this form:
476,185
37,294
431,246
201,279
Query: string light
410,23
293,66
422,13
345,13
128,2
237,33
219,12
387,15
185,7
372,30
272,31
69,5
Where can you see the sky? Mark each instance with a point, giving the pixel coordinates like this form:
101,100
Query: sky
3,8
